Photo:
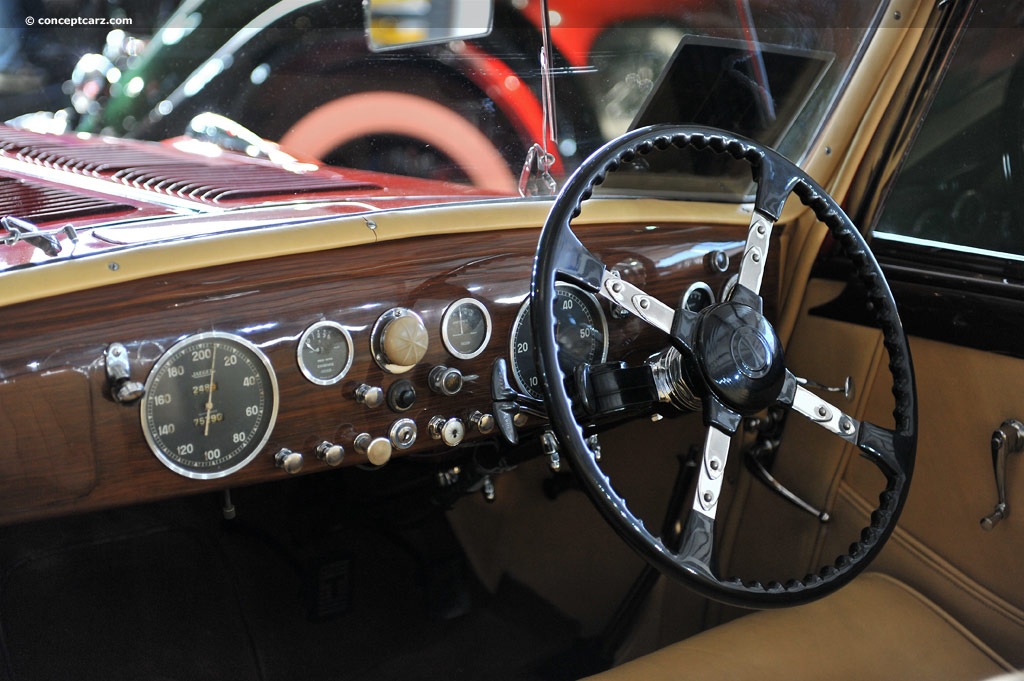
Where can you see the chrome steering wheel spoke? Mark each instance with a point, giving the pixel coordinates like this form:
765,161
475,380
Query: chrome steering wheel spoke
825,414
711,472
755,252
877,444
679,324
638,303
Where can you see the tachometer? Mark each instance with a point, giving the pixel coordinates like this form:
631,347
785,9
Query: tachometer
581,331
210,404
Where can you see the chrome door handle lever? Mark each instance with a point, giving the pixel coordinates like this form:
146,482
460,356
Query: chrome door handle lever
1007,439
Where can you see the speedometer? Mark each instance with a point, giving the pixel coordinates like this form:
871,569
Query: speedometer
210,404
580,329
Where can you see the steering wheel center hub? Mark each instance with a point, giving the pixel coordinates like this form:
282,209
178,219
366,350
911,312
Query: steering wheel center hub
741,357
751,352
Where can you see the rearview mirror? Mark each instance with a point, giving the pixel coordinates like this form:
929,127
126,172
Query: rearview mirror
394,24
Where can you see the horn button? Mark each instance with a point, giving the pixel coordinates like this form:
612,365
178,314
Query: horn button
741,357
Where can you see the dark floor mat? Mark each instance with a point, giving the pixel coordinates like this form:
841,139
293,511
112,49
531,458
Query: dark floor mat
135,607
170,592
509,638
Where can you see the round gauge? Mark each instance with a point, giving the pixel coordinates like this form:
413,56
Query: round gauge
210,404
727,288
698,296
580,329
466,328
325,352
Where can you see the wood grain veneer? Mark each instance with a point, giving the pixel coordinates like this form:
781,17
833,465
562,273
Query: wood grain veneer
66,446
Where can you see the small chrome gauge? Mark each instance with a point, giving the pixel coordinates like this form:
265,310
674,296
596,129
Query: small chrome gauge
210,405
580,329
325,352
466,328
698,296
727,288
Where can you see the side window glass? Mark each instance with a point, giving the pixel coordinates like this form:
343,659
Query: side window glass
962,184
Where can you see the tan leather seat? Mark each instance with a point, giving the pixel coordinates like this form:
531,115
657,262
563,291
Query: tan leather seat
875,628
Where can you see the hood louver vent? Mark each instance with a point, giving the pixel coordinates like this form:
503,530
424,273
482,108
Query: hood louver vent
168,171
41,203
206,183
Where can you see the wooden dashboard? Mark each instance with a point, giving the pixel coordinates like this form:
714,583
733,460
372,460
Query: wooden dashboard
66,445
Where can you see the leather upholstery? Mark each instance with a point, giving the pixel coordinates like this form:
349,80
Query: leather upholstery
875,628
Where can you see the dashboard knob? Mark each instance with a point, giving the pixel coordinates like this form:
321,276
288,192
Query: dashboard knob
376,449
445,380
330,453
399,340
401,396
484,423
128,392
717,261
449,431
289,461
370,395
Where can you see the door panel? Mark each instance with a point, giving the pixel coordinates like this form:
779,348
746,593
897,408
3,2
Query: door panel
939,548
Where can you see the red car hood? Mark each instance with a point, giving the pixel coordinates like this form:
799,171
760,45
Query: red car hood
115,192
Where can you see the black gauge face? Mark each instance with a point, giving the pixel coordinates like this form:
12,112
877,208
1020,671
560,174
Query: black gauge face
580,329
210,404
325,352
466,328
698,296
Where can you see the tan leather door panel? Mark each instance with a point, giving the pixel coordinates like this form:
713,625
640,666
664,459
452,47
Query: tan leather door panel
939,547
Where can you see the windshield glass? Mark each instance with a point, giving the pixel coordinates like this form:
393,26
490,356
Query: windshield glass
300,72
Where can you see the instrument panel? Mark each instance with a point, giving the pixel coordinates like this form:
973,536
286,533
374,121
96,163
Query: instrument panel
255,371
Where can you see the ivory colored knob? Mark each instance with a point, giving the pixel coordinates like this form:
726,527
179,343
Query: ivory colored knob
404,340
398,340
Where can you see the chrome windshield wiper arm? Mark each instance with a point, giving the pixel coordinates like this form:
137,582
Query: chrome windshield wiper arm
45,240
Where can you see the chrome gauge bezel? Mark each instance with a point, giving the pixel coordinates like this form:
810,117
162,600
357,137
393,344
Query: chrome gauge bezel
698,286
306,370
446,317
727,287
524,309
270,407
377,339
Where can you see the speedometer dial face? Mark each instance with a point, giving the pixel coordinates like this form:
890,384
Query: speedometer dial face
210,404
580,329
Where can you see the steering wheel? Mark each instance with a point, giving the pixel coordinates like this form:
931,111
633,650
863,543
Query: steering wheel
725,360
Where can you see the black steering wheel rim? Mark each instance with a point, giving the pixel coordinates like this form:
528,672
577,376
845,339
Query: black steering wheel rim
561,256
